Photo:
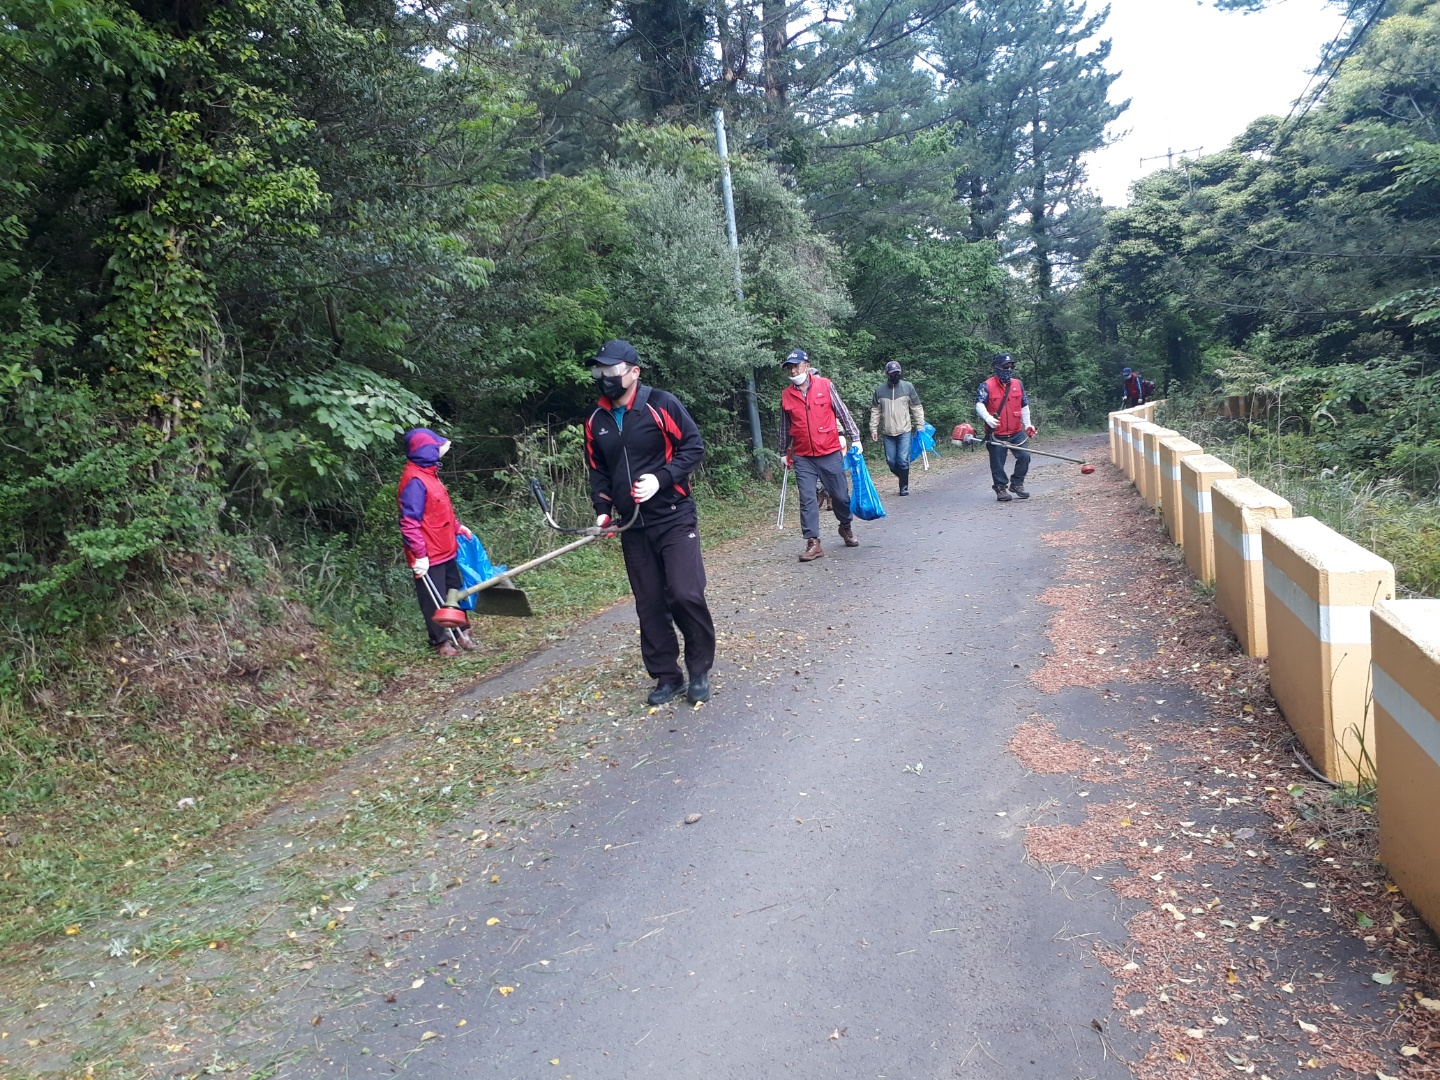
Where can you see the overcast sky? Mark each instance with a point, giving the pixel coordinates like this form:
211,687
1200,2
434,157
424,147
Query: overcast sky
1197,76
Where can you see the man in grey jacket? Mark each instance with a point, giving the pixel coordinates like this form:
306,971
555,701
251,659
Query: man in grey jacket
895,406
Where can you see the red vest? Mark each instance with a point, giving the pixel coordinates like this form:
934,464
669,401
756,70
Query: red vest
1010,423
814,431
438,523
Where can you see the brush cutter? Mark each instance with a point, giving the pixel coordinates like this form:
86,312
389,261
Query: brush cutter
1085,466
499,595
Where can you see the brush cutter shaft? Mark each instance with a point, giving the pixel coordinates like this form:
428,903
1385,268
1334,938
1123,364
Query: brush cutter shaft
456,595
1028,450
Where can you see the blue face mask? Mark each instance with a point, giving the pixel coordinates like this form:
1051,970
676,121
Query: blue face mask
1004,371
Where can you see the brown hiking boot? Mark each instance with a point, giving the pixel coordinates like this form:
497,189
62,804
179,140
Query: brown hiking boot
812,551
465,641
848,535
1001,495
447,650
822,500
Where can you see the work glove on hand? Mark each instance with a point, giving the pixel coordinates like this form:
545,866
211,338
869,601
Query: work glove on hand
602,521
844,442
421,567
1030,432
789,462
645,488
859,446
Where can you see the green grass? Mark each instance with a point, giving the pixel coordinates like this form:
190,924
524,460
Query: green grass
91,785
1375,512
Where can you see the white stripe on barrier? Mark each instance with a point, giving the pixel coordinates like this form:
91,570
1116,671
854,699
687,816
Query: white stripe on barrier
1417,721
1334,624
1247,544
1155,457
1198,499
1172,472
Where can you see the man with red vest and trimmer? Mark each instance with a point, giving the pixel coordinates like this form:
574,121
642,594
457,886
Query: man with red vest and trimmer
428,529
1005,410
811,416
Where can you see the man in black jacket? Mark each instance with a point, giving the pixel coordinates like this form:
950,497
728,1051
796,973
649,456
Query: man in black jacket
641,447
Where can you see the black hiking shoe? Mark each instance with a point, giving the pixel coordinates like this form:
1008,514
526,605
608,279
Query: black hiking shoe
699,688
1001,495
665,693
1018,489
905,482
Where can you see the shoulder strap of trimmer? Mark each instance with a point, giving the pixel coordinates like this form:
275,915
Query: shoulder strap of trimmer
989,431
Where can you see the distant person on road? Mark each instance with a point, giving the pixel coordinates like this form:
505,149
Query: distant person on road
428,529
1004,409
641,447
811,416
896,406
1137,389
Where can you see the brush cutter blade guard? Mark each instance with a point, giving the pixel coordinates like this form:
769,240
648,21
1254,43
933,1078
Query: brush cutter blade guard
450,618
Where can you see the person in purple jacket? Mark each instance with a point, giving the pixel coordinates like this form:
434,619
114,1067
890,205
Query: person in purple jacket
428,529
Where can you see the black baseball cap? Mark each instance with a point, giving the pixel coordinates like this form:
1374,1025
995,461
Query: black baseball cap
615,352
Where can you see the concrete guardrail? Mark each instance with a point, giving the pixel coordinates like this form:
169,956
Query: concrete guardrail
1319,589
1140,464
1406,640
1198,472
1172,451
1239,509
1150,438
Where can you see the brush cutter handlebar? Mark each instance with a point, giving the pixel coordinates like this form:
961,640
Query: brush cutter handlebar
591,531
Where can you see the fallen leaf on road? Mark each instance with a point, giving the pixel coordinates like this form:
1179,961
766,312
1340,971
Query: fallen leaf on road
1309,1029
1409,1051
491,921
1430,1003
417,984
429,1035
1384,978
837,1033
690,819
1195,1033
505,991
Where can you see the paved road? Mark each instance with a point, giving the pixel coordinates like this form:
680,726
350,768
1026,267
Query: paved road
851,902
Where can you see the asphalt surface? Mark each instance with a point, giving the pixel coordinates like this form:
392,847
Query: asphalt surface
854,899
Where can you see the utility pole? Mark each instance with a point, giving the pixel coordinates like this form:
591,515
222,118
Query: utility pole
750,396
1170,156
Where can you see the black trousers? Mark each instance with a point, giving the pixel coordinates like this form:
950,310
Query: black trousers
444,576
667,577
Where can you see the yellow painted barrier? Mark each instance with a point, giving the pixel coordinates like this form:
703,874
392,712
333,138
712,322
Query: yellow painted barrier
1319,589
1197,473
1154,489
1172,502
1142,474
1239,508
1123,422
1406,638
1115,438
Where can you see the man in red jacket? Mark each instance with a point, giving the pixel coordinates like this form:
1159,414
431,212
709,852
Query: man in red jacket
811,416
1005,410
428,529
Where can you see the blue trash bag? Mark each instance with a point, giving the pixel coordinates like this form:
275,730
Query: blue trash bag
475,565
864,499
922,441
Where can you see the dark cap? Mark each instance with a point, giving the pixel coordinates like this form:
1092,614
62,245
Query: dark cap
616,352
892,368
1002,358
796,356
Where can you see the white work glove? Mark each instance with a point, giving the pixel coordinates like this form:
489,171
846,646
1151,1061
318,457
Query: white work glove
421,567
645,488
984,415
859,446
602,521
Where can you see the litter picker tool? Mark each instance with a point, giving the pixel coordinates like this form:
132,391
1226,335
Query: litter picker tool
1085,466
784,487
499,595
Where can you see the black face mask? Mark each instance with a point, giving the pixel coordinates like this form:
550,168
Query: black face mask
893,378
612,386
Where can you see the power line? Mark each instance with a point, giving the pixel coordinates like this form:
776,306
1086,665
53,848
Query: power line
1305,95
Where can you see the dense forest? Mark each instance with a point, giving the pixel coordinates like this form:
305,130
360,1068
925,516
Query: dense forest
243,245
1296,270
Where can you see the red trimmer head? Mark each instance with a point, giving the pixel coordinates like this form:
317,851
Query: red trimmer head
451,618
